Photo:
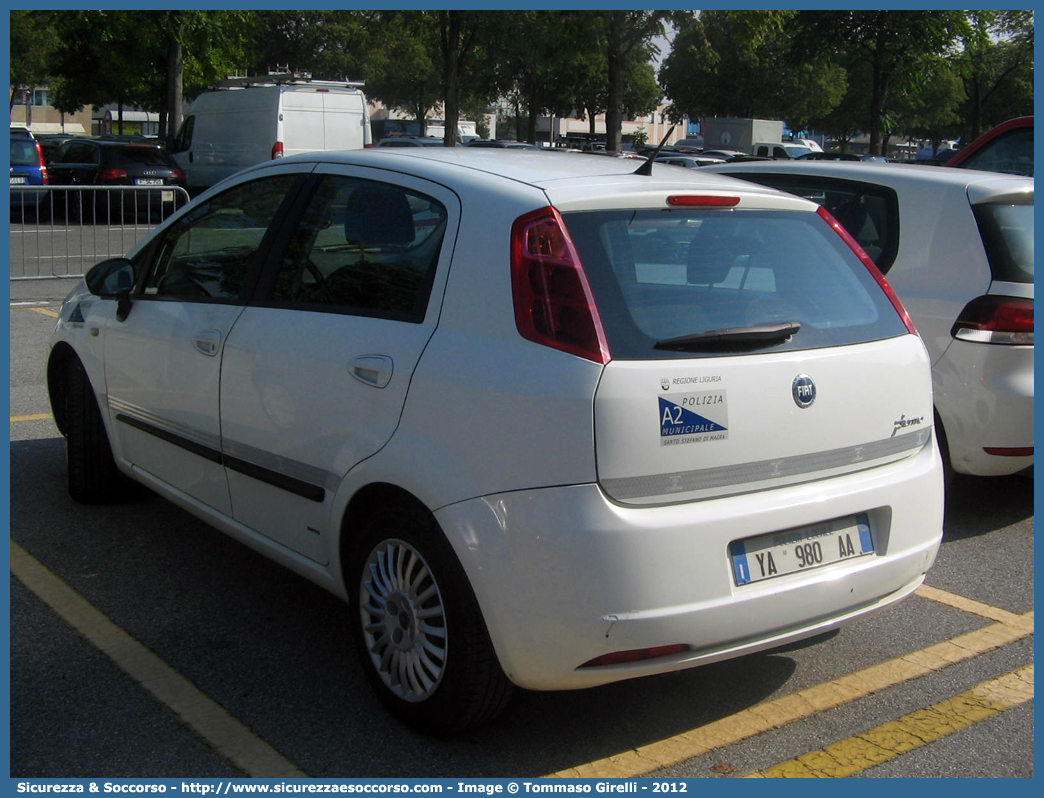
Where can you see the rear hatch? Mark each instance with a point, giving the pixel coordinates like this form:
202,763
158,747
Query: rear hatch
749,347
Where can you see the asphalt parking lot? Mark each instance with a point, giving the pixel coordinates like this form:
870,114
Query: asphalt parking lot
144,644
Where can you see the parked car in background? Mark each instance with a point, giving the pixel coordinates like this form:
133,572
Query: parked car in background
27,169
687,145
250,120
411,141
141,170
688,161
1006,148
502,144
685,472
839,156
50,142
727,155
779,150
957,246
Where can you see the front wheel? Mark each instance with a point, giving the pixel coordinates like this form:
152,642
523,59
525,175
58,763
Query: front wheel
419,632
92,473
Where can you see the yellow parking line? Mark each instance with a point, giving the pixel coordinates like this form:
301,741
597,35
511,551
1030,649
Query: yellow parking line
53,314
31,417
230,738
911,731
805,703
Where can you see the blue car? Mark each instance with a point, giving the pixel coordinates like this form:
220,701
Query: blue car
27,169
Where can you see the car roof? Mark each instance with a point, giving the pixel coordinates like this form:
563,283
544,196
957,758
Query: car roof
892,174
536,168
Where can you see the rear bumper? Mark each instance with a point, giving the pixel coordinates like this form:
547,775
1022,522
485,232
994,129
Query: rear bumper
564,576
984,395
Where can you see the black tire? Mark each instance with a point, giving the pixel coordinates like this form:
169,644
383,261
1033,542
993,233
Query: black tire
440,678
92,473
944,453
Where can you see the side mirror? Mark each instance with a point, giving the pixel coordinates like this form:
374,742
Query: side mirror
113,279
110,278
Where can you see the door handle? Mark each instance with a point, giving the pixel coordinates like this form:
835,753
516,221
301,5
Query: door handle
208,342
373,370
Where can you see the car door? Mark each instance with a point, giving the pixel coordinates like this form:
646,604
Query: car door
316,372
163,358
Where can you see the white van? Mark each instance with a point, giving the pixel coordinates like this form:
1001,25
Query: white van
246,121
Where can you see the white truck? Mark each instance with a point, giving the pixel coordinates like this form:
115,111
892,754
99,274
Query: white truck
734,133
245,121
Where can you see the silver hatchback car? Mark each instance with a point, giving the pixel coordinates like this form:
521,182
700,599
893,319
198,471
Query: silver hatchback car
957,246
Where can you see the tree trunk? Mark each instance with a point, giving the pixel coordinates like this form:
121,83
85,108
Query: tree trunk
451,31
175,77
616,59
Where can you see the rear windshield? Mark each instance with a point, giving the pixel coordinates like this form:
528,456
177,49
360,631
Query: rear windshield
23,153
140,156
1007,234
660,275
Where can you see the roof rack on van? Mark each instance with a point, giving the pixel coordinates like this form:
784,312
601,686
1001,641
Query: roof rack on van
283,79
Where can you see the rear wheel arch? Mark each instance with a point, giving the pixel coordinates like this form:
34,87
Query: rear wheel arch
385,525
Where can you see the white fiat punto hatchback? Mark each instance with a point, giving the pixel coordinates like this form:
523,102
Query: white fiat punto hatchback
542,419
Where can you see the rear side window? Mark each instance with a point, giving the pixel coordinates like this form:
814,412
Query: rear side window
659,275
869,212
1007,234
365,248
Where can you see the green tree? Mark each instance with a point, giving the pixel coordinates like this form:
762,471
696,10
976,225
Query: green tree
402,68
932,112
743,64
33,41
995,63
889,42
629,35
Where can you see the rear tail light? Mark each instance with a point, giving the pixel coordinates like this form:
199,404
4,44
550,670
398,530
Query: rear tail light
277,150
871,267
553,301
111,174
43,164
996,320
178,174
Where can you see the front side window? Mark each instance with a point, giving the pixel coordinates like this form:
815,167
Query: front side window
869,212
363,247
208,252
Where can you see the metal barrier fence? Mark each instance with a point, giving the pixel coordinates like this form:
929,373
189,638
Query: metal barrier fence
61,231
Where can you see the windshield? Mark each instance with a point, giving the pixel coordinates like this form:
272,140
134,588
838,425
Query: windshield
663,275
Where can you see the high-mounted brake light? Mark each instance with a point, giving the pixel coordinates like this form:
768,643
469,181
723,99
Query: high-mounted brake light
871,267
277,150
702,201
554,305
996,320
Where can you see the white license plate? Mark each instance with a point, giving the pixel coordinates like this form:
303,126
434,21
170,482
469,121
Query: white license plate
780,553
18,181
148,181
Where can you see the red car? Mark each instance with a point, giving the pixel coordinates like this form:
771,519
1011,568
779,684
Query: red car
1006,148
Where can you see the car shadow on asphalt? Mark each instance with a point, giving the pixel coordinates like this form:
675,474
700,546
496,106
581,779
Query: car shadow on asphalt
977,505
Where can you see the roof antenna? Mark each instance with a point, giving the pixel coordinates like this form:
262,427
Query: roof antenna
646,168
